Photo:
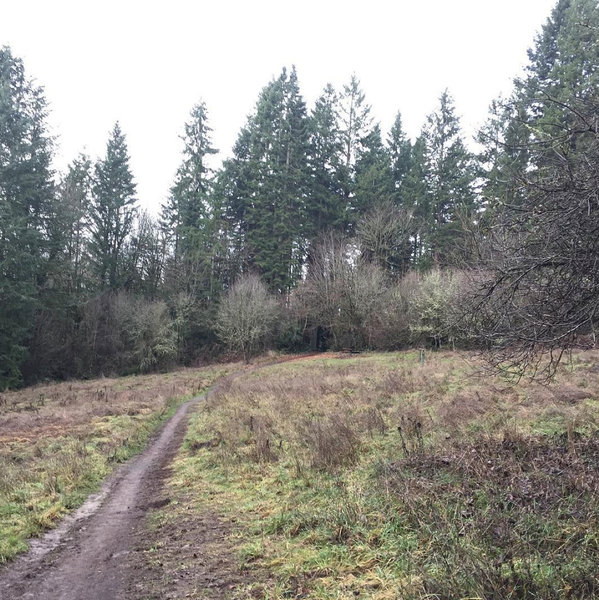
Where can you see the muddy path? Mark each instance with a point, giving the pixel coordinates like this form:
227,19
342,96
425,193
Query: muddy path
81,559
86,556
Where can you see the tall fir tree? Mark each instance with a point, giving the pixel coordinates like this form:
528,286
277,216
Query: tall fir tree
563,69
326,208
188,206
400,151
188,216
266,185
355,125
26,193
70,226
416,197
113,212
66,275
451,183
374,180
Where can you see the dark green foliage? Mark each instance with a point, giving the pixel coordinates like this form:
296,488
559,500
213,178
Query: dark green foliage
450,184
67,275
326,208
415,197
266,185
400,152
192,220
113,212
355,125
563,66
187,209
374,179
564,61
25,198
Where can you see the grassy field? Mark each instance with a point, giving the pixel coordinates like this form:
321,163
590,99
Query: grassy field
378,477
59,441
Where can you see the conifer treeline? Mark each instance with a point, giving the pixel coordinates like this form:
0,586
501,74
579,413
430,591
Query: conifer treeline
296,174
90,284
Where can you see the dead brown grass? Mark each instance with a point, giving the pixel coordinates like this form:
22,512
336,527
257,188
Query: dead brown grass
322,411
56,408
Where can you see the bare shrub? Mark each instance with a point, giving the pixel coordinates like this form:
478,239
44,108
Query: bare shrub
384,236
345,295
246,316
505,494
460,409
372,420
262,439
122,333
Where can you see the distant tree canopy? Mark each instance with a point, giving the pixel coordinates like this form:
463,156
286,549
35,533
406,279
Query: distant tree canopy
355,235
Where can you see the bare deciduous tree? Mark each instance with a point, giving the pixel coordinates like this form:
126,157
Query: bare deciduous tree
344,294
246,316
542,295
384,236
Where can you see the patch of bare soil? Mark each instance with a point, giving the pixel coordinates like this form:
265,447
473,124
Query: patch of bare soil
196,558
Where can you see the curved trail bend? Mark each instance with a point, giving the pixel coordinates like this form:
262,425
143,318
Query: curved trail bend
84,558
81,559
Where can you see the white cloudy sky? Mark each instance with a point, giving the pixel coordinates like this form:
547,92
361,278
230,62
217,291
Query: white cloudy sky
146,63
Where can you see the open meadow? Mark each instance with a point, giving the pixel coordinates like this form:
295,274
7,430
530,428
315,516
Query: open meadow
374,476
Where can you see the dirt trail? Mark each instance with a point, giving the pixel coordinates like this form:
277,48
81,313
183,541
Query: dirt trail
85,557
82,558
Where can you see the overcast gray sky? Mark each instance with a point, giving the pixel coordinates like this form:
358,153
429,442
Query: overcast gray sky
146,63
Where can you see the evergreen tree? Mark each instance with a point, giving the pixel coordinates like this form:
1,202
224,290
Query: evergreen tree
400,150
356,120
26,192
66,276
190,217
416,198
564,61
188,207
231,204
266,185
326,207
451,182
113,212
70,226
374,181
503,155
563,67
356,124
